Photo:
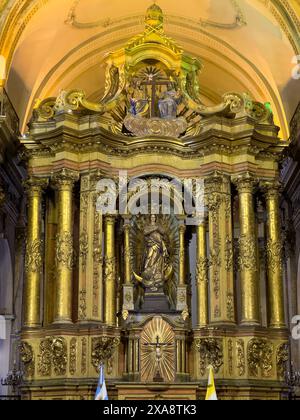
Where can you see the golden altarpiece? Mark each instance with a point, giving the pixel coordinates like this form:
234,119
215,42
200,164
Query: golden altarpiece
153,298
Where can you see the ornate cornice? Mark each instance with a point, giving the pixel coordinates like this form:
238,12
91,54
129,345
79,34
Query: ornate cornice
47,137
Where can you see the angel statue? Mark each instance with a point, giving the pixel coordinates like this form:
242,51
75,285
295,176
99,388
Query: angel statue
157,271
168,104
138,105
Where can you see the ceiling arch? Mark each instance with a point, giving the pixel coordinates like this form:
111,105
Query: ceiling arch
244,45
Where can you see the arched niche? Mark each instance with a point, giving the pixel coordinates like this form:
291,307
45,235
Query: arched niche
6,279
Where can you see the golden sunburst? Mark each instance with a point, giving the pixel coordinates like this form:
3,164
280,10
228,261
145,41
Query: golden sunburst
157,327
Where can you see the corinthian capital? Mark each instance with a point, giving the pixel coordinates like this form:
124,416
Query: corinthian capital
245,183
65,178
271,189
35,185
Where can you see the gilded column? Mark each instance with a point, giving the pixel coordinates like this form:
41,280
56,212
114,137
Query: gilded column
182,230
64,246
274,257
34,254
110,316
248,250
222,299
50,270
201,276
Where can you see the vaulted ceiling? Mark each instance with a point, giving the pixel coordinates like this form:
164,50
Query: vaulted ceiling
245,45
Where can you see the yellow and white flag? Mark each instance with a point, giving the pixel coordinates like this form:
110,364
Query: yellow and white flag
211,394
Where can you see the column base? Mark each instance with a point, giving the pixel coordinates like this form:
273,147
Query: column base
250,324
62,322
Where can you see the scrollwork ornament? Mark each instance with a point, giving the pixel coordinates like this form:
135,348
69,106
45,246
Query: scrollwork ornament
201,269
45,357
260,355
211,353
59,356
84,345
241,362
103,349
274,255
64,250
27,358
73,356
83,249
247,253
229,255
34,256
230,357
282,359
82,305
230,306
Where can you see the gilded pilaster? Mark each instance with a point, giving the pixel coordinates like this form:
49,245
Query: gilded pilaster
222,299
127,252
89,246
274,257
97,252
34,254
248,264
110,316
202,276
64,246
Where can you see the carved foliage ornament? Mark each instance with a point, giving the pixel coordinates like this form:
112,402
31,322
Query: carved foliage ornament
211,353
275,255
247,253
241,362
103,349
282,358
65,254
53,353
73,356
34,256
27,358
201,269
260,354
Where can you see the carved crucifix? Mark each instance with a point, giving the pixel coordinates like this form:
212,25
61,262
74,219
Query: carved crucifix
158,355
154,82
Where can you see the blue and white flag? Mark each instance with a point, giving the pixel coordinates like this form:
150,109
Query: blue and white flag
101,393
